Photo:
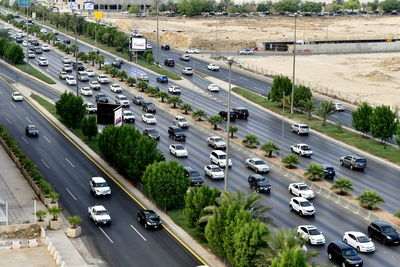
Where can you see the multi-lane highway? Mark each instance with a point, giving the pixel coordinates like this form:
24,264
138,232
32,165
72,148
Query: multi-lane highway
266,127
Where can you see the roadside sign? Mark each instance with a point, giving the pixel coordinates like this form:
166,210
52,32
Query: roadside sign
88,5
24,2
98,14
72,5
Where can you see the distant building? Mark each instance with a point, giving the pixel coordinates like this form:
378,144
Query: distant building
113,5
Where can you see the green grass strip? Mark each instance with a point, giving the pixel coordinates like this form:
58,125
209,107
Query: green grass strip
34,72
369,145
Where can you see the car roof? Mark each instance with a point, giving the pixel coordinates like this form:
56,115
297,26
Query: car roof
212,166
215,136
341,244
302,199
179,117
254,159
189,169
257,176
298,184
355,233
308,227
127,111
99,207
382,223
98,179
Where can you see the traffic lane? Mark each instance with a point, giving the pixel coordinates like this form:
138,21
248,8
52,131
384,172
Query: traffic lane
79,188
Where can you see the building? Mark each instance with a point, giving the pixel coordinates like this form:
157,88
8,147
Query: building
112,5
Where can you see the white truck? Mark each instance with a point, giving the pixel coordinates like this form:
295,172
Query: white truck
99,215
302,150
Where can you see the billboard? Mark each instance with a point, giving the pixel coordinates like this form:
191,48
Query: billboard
24,2
118,116
105,113
72,5
88,5
138,43
98,14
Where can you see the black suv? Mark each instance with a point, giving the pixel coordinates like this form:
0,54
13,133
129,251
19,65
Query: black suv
195,178
67,41
149,218
116,63
169,62
164,47
149,107
34,42
176,133
259,183
101,98
344,254
138,100
241,113
31,130
223,114
384,232
329,171
151,133
78,65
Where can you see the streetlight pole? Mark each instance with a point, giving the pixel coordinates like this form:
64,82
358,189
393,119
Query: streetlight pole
193,85
157,35
27,39
283,118
294,63
216,35
228,121
76,57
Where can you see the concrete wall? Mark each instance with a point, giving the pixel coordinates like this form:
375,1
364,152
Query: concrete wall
346,48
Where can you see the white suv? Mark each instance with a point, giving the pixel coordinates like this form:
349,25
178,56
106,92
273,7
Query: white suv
311,234
99,187
70,80
301,190
122,100
181,122
219,157
302,206
300,129
101,78
43,61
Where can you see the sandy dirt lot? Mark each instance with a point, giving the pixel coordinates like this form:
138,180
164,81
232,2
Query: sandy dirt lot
359,77
33,257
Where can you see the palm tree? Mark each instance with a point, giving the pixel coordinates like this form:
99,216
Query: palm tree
308,106
186,108
74,48
232,129
315,172
54,196
343,186
163,95
174,100
142,86
370,199
75,221
54,211
324,109
199,114
100,60
122,75
41,214
114,71
215,120
251,141
82,56
92,56
269,148
130,81
290,161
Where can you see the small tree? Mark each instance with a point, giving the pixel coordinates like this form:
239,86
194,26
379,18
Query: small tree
370,199
122,75
41,214
82,56
343,186
280,85
232,130
301,94
309,107
142,85
74,49
397,214
199,114
361,118
100,60
383,122
325,108
163,95
130,81
92,56
251,141
71,109
89,126
54,211
269,148
398,135
133,9
315,172
290,161
54,196
149,57
174,100
186,108
215,120
75,221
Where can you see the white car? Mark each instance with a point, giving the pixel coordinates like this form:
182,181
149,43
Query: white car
192,51
178,150
45,47
174,90
66,60
24,43
302,149
70,80
128,116
311,234
302,206
142,77
213,67
16,96
42,61
86,91
90,73
181,122
216,142
359,241
99,215
339,106
122,100
90,108
31,54
99,187
257,165
218,157
67,68
102,78
246,51
300,128
43,30
116,88
214,172
301,190
94,85
187,71
149,46
213,87
149,118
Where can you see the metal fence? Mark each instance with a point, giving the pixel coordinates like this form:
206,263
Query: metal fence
17,212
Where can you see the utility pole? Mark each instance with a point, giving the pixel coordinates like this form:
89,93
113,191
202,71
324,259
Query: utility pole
157,36
228,121
27,40
76,57
294,63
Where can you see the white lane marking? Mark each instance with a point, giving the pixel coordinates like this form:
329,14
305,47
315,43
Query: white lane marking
13,104
47,139
349,115
70,162
335,116
45,164
257,88
26,118
8,120
101,229
72,195
138,233
1,93
243,78
23,138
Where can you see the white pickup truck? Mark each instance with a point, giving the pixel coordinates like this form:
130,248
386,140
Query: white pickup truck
99,215
302,150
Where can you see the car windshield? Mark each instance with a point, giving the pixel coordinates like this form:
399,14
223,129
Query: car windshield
101,94
182,120
194,173
31,127
304,127
215,169
259,162
178,130
387,229
152,131
361,160
305,204
94,82
223,156
17,94
349,252
363,239
179,147
123,98
128,113
101,184
149,116
188,69
303,187
314,232
218,140
152,216
102,212
329,169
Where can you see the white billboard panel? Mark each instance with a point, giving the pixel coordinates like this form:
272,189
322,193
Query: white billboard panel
118,116
89,5
138,44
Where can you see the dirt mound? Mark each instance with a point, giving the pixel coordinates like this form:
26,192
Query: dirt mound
30,233
390,64
378,76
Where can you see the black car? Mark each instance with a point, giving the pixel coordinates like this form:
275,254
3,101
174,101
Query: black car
151,133
169,62
165,47
101,98
78,65
116,63
259,183
241,113
176,133
149,107
344,254
329,171
149,218
34,42
138,100
67,41
31,130
195,178
38,50
384,232
19,40
223,114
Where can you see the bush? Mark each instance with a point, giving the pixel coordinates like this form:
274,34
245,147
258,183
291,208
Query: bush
315,172
397,214
370,199
251,141
71,109
14,53
215,120
89,126
269,148
290,161
343,186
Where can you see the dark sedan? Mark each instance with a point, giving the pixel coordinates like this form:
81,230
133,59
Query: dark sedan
384,232
101,98
152,133
149,219
31,130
